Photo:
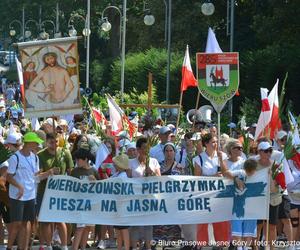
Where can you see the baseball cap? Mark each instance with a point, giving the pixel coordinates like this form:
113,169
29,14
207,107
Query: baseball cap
231,125
264,145
281,134
32,137
163,130
14,138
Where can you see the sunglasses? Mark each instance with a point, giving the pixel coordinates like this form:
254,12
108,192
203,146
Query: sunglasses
238,147
283,140
269,150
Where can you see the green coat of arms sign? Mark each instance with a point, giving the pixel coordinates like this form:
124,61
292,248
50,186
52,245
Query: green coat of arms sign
218,77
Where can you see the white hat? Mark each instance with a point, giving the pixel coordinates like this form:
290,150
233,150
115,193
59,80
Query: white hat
63,122
196,136
124,142
171,126
281,134
157,127
14,138
49,121
264,145
131,145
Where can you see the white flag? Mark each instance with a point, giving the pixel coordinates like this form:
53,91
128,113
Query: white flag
212,45
101,155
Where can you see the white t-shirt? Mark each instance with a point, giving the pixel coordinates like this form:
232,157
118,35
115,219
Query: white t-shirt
237,165
28,166
4,164
157,152
209,165
138,169
121,175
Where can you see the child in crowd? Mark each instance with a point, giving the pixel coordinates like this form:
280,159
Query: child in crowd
83,171
243,231
121,163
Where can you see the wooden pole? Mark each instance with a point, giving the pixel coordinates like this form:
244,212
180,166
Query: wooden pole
54,132
179,109
197,103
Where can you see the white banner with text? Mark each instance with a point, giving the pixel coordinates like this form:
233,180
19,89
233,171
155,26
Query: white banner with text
165,200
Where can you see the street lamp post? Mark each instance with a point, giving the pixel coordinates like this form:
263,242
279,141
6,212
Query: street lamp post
106,26
169,51
12,31
86,33
27,31
230,32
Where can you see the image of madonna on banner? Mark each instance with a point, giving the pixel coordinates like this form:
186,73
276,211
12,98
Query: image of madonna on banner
50,76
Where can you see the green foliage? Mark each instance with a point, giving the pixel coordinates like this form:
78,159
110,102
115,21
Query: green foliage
139,64
250,108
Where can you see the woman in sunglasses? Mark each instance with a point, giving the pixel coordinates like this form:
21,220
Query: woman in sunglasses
211,162
264,160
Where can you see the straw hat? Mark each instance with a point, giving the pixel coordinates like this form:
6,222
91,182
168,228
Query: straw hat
122,161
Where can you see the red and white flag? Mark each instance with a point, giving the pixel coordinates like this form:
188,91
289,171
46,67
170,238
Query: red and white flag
99,117
268,121
265,114
115,115
119,120
275,122
188,78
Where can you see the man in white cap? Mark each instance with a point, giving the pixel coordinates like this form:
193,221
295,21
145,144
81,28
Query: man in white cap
280,140
157,151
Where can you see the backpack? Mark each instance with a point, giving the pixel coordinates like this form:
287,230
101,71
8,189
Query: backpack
36,160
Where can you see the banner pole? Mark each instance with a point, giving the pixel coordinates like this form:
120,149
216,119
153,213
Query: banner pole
268,213
197,103
179,110
219,129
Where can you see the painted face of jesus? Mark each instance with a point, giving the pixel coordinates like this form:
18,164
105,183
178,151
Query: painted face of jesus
50,60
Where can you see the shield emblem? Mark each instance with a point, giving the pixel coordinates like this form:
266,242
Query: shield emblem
218,77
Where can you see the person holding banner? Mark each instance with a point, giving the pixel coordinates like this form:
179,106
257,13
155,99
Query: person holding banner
264,161
121,163
140,169
83,171
53,156
211,162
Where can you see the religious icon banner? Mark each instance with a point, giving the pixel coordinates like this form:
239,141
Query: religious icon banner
50,77
164,200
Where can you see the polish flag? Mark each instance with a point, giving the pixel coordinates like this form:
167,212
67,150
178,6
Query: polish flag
115,115
269,122
275,122
188,78
101,155
265,114
98,115
21,80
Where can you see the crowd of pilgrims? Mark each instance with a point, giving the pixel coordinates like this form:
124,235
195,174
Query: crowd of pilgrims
194,152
